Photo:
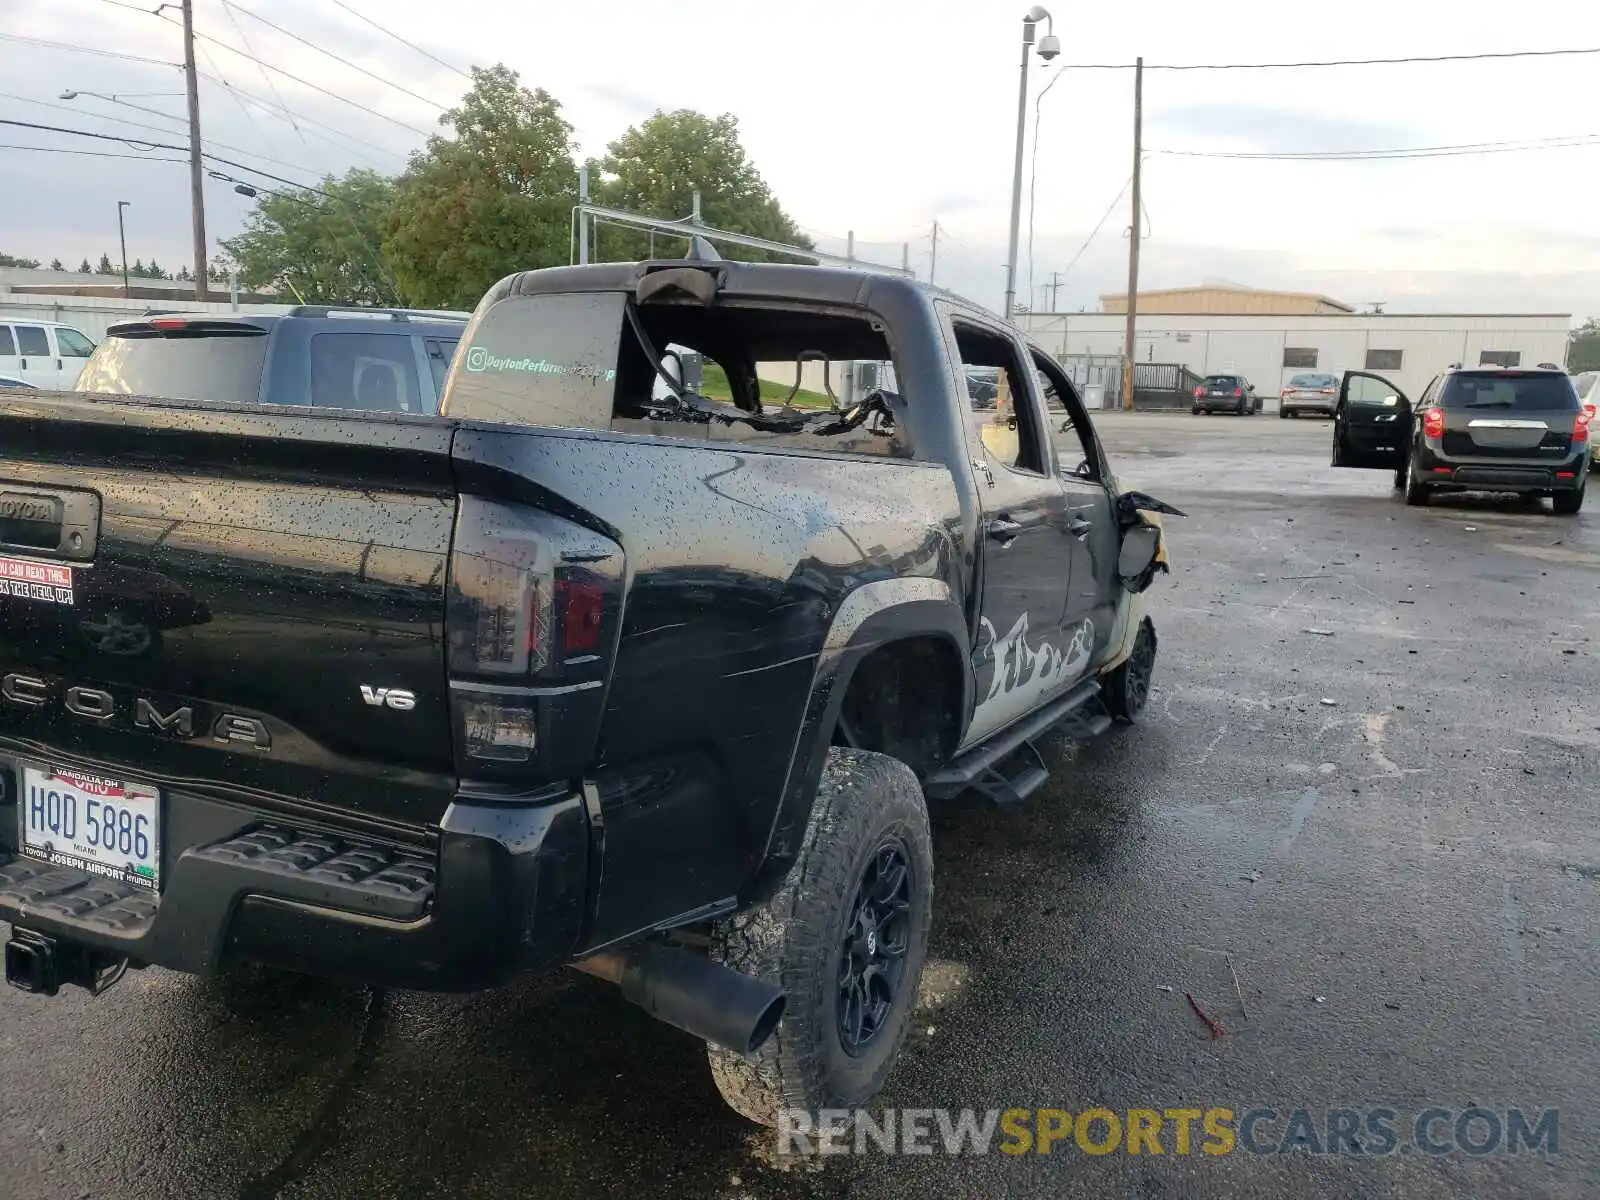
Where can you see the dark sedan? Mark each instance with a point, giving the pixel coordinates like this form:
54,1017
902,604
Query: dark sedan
1484,429
1226,393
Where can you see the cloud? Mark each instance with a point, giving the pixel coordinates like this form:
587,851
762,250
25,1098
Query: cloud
1280,130
635,103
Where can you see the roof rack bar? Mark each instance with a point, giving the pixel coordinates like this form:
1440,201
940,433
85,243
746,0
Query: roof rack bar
395,314
689,229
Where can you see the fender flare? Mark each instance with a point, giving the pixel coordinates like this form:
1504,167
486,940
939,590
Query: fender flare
873,615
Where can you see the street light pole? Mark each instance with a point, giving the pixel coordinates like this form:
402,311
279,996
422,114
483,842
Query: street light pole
1049,47
122,236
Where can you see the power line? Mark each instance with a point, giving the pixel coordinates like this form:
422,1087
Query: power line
90,153
136,143
49,45
305,82
375,257
227,4
142,125
1449,151
1335,62
277,109
1100,224
402,41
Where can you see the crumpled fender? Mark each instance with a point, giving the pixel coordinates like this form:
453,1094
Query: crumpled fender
1135,508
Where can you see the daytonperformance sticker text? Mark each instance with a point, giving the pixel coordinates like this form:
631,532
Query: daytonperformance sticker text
480,359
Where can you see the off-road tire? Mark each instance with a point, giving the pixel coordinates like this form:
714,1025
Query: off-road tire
1567,504
797,938
1125,691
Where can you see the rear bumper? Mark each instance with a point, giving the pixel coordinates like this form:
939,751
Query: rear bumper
503,889
1325,407
1501,475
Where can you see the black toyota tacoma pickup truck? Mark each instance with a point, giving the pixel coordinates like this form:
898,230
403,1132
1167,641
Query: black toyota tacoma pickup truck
589,669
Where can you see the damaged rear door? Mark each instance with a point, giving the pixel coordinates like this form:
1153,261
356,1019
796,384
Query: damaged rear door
1372,424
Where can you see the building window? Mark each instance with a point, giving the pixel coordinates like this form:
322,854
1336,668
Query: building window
1500,358
1384,360
1301,356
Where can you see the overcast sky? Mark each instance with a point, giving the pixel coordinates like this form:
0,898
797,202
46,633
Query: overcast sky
882,117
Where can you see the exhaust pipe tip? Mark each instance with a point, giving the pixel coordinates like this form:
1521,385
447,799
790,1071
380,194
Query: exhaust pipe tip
690,992
765,1025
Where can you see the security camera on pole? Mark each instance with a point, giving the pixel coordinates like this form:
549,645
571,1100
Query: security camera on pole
1049,47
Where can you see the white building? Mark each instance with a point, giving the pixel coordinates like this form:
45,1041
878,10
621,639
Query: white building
1268,349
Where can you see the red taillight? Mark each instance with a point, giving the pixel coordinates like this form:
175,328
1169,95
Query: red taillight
1580,424
1433,422
581,603
533,604
168,322
1198,392
1238,391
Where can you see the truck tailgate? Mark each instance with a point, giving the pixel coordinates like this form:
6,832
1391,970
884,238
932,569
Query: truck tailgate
244,603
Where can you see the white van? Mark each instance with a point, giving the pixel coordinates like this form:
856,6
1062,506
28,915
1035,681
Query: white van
43,354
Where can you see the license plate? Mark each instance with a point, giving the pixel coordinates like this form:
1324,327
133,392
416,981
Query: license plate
95,824
1219,393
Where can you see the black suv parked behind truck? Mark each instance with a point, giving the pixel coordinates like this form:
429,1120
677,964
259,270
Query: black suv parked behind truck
584,670
374,360
1484,429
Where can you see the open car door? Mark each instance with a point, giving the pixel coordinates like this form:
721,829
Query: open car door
1372,424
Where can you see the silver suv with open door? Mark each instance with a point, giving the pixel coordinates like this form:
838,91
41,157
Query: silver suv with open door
1483,429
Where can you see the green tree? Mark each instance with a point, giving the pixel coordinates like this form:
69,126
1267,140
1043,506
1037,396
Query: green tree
324,246
656,167
55,265
494,198
7,260
84,268
155,271
1583,347
184,275
137,271
105,267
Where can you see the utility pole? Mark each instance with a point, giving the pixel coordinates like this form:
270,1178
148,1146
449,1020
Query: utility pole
1135,232
933,257
1055,288
197,199
122,236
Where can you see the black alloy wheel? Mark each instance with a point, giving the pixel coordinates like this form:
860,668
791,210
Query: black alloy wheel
872,960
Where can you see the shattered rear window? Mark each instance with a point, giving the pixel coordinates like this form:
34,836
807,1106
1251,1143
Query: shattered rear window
784,376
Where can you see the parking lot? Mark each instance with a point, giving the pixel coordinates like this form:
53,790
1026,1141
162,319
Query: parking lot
1357,829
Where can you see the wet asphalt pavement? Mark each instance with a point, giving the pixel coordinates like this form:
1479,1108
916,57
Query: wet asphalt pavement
1386,831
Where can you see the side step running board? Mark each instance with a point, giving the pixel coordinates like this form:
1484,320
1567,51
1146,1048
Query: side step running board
978,768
